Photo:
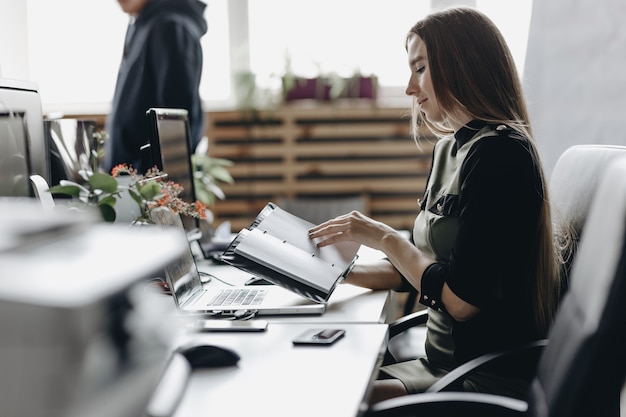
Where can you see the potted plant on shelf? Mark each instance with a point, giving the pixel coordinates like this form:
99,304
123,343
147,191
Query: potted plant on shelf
327,87
330,88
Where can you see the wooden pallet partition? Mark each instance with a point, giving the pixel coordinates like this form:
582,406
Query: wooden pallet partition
321,152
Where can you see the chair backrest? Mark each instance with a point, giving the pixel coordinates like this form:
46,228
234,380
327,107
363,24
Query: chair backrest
572,185
582,370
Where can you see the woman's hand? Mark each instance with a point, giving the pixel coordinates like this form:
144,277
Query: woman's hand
405,258
353,226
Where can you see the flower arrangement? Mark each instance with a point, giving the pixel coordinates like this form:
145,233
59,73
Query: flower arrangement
149,191
153,190
101,190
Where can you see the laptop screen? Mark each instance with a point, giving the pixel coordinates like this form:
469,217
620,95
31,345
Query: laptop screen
182,275
183,278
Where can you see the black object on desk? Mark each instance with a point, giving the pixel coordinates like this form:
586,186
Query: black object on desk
258,281
324,337
209,356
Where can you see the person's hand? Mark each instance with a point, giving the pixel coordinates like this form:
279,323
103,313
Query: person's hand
353,226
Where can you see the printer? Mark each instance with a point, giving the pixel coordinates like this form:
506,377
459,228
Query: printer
82,330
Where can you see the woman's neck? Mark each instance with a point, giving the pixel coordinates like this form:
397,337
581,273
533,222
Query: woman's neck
459,120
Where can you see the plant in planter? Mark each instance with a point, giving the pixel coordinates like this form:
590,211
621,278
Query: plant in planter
208,173
359,86
329,87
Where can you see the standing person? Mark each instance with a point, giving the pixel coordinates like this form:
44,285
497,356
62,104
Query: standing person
482,255
161,67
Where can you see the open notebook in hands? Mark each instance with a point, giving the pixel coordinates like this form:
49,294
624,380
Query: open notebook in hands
193,297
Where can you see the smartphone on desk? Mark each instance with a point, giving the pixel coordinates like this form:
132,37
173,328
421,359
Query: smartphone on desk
323,337
228,326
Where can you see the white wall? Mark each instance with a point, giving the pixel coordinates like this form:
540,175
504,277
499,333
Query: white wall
13,45
575,74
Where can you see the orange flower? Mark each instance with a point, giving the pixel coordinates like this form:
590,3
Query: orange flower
122,169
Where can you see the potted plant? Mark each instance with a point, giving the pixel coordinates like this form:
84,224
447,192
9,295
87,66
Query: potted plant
209,173
150,191
329,87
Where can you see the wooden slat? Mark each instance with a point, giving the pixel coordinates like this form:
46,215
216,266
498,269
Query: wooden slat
334,150
332,186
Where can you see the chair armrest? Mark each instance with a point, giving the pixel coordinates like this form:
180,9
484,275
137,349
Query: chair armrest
406,322
449,404
467,368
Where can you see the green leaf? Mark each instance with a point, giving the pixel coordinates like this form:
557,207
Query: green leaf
107,212
108,200
222,162
150,190
203,195
136,197
222,174
72,190
104,182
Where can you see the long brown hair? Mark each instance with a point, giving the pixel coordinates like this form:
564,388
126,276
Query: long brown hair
472,69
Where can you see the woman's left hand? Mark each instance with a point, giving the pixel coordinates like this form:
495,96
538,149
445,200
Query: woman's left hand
353,226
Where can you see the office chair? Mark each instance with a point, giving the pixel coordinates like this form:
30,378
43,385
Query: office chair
582,367
572,184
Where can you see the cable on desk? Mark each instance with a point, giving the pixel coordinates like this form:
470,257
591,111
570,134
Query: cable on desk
232,315
211,276
159,283
245,314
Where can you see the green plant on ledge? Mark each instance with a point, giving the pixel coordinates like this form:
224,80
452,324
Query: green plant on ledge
209,173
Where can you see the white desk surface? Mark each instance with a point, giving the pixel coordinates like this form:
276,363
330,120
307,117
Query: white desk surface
275,378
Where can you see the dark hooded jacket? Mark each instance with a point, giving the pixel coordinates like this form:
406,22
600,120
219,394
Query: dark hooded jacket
161,67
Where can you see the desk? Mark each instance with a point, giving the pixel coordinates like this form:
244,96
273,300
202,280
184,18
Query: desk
275,378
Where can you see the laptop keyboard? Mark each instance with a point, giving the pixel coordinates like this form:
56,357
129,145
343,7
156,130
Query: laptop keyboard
237,297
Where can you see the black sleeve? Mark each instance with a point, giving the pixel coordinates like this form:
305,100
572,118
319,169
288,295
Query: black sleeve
500,195
176,56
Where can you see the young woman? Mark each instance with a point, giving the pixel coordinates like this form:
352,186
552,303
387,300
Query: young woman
482,255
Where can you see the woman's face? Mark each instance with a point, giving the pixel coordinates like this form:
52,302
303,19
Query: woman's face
420,84
132,7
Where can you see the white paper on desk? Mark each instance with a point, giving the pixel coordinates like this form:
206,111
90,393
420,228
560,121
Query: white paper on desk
295,230
281,242
289,260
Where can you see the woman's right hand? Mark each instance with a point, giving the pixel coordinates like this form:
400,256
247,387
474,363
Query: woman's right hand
353,226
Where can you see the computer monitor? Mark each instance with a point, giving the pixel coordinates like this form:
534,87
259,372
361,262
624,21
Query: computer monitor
169,149
14,159
20,96
72,144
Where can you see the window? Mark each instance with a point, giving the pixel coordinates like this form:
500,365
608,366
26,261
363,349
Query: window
350,35
74,56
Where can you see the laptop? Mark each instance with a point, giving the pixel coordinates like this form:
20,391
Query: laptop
193,297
